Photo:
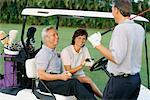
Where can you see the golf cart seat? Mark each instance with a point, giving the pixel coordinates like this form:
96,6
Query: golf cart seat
32,73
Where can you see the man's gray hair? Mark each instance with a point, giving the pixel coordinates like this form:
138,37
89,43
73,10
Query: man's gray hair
44,32
124,6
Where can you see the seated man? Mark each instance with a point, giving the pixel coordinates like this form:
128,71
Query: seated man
49,69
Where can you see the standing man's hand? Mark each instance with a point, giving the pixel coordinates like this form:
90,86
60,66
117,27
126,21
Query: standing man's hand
95,39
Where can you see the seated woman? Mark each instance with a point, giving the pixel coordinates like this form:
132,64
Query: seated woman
73,57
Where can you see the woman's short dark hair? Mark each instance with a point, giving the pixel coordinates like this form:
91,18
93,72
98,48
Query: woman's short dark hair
79,32
124,6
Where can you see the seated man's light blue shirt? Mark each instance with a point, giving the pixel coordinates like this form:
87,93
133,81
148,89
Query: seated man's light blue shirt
48,60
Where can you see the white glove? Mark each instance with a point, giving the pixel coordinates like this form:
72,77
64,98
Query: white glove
95,39
12,36
88,62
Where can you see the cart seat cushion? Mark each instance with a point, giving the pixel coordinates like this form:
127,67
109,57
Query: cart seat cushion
31,68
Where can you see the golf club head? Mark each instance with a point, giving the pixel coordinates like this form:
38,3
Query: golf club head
31,31
12,36
30,35
3,38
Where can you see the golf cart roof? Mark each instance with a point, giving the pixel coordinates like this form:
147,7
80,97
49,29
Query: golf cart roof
77,13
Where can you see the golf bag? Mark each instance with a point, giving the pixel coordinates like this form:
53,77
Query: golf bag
21,71
9,78
27,52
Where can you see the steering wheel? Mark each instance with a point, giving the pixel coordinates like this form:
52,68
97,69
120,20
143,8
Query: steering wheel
100,65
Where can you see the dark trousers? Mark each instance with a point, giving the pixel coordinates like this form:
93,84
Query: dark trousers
122,88
69,87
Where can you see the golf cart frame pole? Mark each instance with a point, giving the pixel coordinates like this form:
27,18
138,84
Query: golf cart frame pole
23,30
146,53
57,22
26,3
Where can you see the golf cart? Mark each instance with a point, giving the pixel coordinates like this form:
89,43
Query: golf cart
34,93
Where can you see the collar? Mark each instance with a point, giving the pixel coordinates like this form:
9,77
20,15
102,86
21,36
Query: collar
48,49
127,21
73,50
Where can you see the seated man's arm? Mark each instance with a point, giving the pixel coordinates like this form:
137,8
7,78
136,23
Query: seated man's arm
46,76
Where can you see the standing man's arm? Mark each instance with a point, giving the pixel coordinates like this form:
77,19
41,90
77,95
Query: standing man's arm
105,52
95,40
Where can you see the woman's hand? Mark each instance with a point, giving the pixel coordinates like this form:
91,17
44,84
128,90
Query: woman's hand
88,62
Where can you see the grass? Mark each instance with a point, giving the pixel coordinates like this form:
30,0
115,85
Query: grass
65,35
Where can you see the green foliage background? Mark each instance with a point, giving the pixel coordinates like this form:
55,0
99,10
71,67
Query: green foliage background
10,11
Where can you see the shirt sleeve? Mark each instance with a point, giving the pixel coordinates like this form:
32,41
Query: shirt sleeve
119,45
65,57
42,60
87,54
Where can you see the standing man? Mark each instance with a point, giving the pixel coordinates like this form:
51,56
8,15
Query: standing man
124,54
49,69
